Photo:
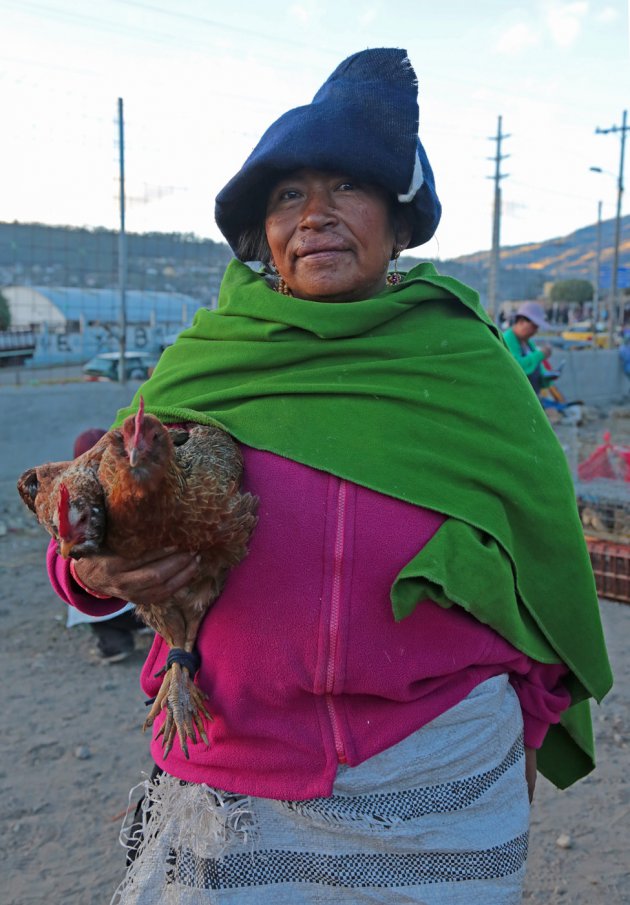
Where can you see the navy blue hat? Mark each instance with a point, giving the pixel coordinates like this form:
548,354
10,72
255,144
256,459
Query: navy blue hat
363,121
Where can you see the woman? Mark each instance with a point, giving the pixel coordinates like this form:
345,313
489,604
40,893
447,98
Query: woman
530,317
412,622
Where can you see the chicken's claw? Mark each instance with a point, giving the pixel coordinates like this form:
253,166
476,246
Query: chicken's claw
184,703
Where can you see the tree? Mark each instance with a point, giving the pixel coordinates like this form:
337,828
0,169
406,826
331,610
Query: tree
5,313
572,291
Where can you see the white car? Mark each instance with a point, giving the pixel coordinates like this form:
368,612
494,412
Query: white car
138,366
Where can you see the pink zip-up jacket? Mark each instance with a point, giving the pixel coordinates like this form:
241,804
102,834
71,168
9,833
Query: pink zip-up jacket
301,659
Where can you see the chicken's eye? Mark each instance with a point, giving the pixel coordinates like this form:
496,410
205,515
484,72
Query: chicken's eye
32,485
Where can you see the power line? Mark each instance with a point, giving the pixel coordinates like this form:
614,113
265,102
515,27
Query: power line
214,23
149,35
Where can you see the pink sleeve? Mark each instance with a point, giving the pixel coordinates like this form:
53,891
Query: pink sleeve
542,696
65,586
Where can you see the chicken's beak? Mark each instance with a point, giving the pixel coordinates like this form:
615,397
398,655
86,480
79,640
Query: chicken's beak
65,548
133,456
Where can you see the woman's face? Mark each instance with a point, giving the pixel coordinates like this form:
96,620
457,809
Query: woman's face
331,237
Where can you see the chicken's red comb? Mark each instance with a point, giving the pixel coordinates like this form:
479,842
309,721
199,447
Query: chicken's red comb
138,422
63,508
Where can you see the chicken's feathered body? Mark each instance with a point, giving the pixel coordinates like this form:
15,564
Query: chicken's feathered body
160,489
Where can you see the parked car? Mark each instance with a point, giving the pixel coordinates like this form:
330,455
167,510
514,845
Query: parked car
138,366
585,333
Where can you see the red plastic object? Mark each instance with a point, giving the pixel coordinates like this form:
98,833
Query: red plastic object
607,461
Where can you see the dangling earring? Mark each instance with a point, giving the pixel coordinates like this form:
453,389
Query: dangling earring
282,287
279,284
394,278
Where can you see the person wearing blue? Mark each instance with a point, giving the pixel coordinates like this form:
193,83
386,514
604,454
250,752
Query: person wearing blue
624,353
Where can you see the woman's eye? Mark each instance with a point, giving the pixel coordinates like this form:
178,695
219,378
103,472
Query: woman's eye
288,194
346,186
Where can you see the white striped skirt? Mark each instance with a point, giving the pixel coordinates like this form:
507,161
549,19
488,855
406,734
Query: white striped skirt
441,819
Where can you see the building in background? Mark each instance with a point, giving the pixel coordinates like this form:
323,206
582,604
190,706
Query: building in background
70,325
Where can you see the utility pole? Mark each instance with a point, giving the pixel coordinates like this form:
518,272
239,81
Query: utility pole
493,273
122,247
613,305
598,264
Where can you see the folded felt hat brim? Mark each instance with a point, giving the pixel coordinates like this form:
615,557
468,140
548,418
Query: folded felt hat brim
242,203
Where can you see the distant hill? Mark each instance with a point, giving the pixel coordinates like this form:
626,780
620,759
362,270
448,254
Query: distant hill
565,257
36,254
515,284
525,268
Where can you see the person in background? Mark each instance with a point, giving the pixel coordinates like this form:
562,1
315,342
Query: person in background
115,633
624,353
530,318
412,624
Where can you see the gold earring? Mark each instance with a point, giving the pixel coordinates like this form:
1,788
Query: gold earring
394,278
282,287
279,284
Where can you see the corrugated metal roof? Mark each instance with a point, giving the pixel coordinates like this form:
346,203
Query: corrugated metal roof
104,305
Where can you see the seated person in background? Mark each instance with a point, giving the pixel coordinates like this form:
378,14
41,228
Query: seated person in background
530,316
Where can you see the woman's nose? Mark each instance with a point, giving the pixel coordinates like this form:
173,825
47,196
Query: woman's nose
319,210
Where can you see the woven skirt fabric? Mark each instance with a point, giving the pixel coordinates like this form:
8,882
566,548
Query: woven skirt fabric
441,819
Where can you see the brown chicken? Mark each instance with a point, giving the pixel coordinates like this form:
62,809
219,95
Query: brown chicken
40,489
143,488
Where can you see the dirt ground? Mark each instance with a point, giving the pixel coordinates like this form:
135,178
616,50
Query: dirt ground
71,745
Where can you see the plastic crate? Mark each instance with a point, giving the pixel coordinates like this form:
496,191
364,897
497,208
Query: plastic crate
604,508
611,567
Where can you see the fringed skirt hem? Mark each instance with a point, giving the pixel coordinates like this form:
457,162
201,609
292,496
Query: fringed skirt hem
440,819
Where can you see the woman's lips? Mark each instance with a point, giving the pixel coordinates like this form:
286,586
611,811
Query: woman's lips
320,253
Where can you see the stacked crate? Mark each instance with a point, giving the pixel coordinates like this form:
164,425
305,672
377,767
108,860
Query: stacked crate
603,502
604,507
611,567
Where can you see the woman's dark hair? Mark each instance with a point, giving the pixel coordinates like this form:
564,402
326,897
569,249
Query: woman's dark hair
253,245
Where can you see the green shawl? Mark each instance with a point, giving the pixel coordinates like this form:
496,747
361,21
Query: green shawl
413,393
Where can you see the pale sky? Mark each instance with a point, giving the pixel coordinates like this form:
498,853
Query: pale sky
201,80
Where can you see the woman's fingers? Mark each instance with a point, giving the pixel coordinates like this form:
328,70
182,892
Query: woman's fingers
182,577
151,579
162,578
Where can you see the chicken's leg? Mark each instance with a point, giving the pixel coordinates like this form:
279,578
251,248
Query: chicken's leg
184,703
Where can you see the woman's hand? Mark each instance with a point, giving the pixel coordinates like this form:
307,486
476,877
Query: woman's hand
530,771
152,579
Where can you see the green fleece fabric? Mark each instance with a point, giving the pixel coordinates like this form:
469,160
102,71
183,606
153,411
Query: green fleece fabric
413,393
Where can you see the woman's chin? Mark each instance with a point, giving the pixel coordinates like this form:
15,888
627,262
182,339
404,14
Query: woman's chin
325,284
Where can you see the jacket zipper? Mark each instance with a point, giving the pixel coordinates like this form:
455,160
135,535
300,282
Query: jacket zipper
333,628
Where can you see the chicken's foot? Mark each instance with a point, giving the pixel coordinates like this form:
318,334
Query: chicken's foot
184,703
